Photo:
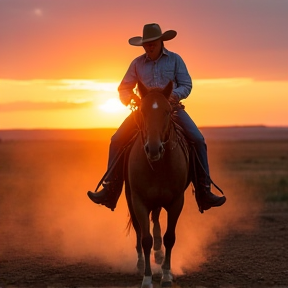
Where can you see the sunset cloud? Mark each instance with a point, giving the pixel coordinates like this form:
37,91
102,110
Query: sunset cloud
228,82
79,84
63,84
29,105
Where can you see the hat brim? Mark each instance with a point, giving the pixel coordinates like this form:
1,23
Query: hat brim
166,36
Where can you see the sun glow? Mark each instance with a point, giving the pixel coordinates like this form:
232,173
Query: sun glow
80,103
112,105
82,84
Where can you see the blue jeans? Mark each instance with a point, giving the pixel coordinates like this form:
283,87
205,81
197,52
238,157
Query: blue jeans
193,135
129,128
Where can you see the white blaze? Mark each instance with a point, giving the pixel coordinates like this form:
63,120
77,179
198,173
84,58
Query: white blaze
155,105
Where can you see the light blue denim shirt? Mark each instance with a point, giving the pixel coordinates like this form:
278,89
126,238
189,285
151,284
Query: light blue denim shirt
169,66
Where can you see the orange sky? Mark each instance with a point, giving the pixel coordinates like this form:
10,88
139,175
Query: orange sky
62,60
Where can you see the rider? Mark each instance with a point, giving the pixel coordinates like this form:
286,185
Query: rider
156,68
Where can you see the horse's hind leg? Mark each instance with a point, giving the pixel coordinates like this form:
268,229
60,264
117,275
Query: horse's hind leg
157,244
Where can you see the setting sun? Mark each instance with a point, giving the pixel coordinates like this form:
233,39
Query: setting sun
112,105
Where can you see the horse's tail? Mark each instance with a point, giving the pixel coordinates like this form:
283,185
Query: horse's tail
129,224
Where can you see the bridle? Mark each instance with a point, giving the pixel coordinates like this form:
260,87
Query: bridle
138,118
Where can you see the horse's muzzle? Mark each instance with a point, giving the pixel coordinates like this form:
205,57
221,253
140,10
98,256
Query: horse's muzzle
154,152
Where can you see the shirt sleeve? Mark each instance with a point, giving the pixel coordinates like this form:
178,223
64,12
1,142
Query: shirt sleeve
182,79
127,84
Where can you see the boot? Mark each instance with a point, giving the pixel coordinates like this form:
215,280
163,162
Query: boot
208,199
109,195
112,185
202,186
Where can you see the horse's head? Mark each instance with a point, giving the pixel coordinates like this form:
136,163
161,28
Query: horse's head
156,112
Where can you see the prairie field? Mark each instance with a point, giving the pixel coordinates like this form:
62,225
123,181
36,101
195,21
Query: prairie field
53,235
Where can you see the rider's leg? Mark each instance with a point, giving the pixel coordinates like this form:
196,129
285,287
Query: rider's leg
205,198
113,183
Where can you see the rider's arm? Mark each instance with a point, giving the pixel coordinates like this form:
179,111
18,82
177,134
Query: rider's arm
182,79
127,85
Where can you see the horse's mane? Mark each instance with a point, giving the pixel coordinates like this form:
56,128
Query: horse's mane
154,89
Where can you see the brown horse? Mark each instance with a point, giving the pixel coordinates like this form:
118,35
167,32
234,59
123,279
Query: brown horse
157,176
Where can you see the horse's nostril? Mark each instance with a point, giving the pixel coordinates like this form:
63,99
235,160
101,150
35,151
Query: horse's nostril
161,149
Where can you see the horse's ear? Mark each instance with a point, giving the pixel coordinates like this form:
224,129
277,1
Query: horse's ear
142,89
168,89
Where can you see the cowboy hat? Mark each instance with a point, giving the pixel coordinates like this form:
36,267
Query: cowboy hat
152,32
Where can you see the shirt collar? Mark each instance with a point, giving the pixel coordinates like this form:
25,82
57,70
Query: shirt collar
164,52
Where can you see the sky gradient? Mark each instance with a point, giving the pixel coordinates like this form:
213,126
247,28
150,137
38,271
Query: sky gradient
61,61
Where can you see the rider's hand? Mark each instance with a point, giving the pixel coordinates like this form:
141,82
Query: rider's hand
174,99
135,100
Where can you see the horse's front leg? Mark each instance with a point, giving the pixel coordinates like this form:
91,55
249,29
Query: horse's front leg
157,243
167,277
140,258
142,215
147,242
137,228
169,240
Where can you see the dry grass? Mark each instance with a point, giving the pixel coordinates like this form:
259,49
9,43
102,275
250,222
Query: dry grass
260,165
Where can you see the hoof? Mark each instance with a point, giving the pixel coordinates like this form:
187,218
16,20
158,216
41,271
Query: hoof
147,282
167,279
147,286
166,283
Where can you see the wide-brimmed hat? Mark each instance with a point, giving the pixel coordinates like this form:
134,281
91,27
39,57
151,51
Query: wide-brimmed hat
152,32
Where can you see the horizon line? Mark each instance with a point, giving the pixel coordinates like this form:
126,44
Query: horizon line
107,128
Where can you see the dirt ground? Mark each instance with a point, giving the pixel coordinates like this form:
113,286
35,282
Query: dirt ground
257,258
51,234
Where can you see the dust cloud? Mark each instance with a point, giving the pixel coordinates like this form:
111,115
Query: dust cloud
45,210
